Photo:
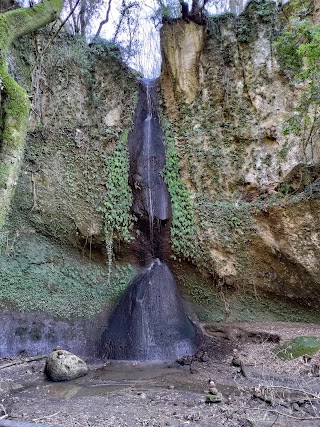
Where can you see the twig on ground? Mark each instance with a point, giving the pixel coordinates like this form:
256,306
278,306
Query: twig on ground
45,417
3,412
20,361
298,390
274,411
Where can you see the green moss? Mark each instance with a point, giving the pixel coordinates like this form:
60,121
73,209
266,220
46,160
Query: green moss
299,346
16,104
16,107
38,275
224,303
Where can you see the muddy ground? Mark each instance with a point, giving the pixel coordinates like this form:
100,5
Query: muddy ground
272,392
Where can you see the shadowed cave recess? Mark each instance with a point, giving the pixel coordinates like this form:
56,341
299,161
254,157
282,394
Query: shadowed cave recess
149,322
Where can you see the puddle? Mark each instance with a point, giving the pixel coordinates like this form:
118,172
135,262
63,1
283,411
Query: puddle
125,371
116,377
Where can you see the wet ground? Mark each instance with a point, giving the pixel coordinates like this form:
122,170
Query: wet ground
273,392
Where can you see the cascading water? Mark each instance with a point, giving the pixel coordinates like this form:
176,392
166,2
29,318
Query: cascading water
147,126
149,322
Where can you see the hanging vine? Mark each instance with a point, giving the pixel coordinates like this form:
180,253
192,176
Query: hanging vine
118,218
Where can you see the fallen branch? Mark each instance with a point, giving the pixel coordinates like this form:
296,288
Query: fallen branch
3,412
274,411
21,361
309,393
46,417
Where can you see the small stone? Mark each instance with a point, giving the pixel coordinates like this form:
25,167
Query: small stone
213,390
295,406
211,383
3,412
143,395
199,354
256,392
236,361
204,357
171,387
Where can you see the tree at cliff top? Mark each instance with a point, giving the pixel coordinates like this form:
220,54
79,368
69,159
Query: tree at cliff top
86,12
14,101
197,10
298,49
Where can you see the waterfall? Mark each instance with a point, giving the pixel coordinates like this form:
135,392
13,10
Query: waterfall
149,159
149,322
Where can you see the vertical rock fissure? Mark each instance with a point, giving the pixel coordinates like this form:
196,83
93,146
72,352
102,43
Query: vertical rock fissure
150,322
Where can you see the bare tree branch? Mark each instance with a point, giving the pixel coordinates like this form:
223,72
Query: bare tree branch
73,18
102,23
55,34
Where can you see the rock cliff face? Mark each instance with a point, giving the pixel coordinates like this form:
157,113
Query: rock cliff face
254,190
53,247
245,197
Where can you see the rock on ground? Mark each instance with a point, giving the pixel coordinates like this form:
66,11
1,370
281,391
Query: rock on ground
61,365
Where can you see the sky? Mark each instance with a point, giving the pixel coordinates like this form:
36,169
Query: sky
147,60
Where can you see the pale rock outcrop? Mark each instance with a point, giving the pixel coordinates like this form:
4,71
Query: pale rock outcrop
254,188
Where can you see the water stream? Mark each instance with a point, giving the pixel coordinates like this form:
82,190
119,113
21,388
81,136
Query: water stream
147,126
149,322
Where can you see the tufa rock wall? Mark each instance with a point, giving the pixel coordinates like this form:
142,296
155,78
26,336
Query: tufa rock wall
53,262
254,190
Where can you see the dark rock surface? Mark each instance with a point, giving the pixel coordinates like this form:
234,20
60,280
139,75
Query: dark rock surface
147,157
149,322
39,333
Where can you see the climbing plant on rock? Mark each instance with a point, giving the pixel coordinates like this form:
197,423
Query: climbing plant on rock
183,229
298,50
118,218
14,101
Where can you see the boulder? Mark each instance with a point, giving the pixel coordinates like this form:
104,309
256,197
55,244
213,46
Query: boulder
61,365
299,346
215,397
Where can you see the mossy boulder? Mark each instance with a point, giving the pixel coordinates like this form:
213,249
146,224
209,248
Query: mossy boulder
299,346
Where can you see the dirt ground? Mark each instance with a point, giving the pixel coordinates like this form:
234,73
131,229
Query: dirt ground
272,392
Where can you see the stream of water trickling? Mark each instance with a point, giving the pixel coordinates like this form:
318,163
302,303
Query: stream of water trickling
147,126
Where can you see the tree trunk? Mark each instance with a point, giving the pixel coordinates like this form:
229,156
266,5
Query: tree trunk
14,101
82,18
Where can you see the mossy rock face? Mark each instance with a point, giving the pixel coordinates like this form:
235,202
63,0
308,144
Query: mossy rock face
299,346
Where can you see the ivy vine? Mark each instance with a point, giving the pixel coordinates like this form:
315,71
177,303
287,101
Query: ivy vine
183,228
298,50
118,218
